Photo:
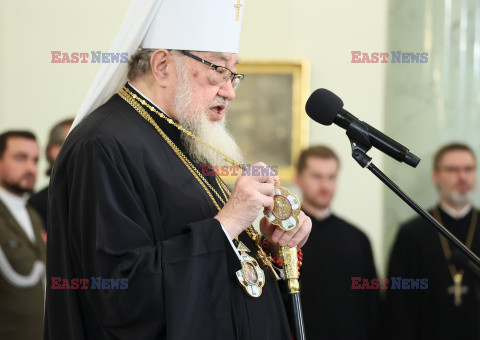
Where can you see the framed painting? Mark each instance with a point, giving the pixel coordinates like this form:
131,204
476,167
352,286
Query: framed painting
267,117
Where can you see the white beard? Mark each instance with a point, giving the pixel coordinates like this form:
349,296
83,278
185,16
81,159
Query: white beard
457,199
194,119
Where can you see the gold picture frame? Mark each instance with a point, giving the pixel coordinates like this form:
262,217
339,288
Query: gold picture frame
267,117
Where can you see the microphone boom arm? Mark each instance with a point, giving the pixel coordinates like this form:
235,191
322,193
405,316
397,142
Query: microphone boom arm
360,143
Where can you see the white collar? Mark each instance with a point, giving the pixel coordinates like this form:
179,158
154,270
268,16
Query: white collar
151,102
455,214
12,200
325,214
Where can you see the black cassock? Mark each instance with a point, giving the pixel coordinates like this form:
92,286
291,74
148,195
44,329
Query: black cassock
430,313
335,252
39,201
122,205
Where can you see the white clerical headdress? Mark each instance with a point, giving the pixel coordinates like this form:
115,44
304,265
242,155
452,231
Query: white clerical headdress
196,25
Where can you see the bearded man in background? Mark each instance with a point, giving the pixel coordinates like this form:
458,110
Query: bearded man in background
446,305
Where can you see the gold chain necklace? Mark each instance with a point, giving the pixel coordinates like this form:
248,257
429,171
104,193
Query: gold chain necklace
457,275
203,182
130,99
286,208
251,231
249,264
181,128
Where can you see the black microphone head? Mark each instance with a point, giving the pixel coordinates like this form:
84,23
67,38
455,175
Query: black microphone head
323,106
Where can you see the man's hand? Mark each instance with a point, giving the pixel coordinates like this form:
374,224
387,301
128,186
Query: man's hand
250,195
276,236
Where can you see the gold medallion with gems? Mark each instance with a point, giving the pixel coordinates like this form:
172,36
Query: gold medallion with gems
285,210
251,276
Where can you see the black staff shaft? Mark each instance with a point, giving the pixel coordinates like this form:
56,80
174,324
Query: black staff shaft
299,329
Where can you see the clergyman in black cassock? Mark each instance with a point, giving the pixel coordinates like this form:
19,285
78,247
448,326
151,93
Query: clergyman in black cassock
431,313
123,205
335,252
442,310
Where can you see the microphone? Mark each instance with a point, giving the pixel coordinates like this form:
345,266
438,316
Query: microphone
326,108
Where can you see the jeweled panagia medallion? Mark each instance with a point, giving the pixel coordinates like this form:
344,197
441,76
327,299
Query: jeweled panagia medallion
251,276
285,211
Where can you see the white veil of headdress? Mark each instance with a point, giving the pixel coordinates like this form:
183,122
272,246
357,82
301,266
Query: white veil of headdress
111,76
206,25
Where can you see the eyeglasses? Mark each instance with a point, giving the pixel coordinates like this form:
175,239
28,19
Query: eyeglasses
220,74
456,170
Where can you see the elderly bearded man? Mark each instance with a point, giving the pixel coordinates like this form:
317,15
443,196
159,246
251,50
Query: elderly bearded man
128,203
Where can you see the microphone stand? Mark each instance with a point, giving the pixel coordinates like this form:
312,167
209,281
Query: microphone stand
357,132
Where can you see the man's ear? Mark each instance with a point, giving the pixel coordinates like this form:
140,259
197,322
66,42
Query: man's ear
297,180
53,151
162,65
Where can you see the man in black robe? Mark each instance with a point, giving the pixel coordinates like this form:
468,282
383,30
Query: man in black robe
335,253
127,208
420,252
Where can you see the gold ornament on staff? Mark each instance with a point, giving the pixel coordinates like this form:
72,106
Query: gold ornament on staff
285,215
286,208
290,268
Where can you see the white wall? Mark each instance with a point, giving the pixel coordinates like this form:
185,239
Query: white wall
326,32
35,93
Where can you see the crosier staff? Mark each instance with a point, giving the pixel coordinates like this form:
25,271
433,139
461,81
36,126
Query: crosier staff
290,260
285,215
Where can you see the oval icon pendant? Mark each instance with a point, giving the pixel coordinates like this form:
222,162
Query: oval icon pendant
285,211
251,276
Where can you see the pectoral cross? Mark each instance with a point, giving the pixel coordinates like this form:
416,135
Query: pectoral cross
457,289
238,5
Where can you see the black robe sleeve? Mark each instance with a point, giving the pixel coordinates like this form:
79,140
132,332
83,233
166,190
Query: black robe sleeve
99,229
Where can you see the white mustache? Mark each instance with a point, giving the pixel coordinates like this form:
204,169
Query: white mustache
219,101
